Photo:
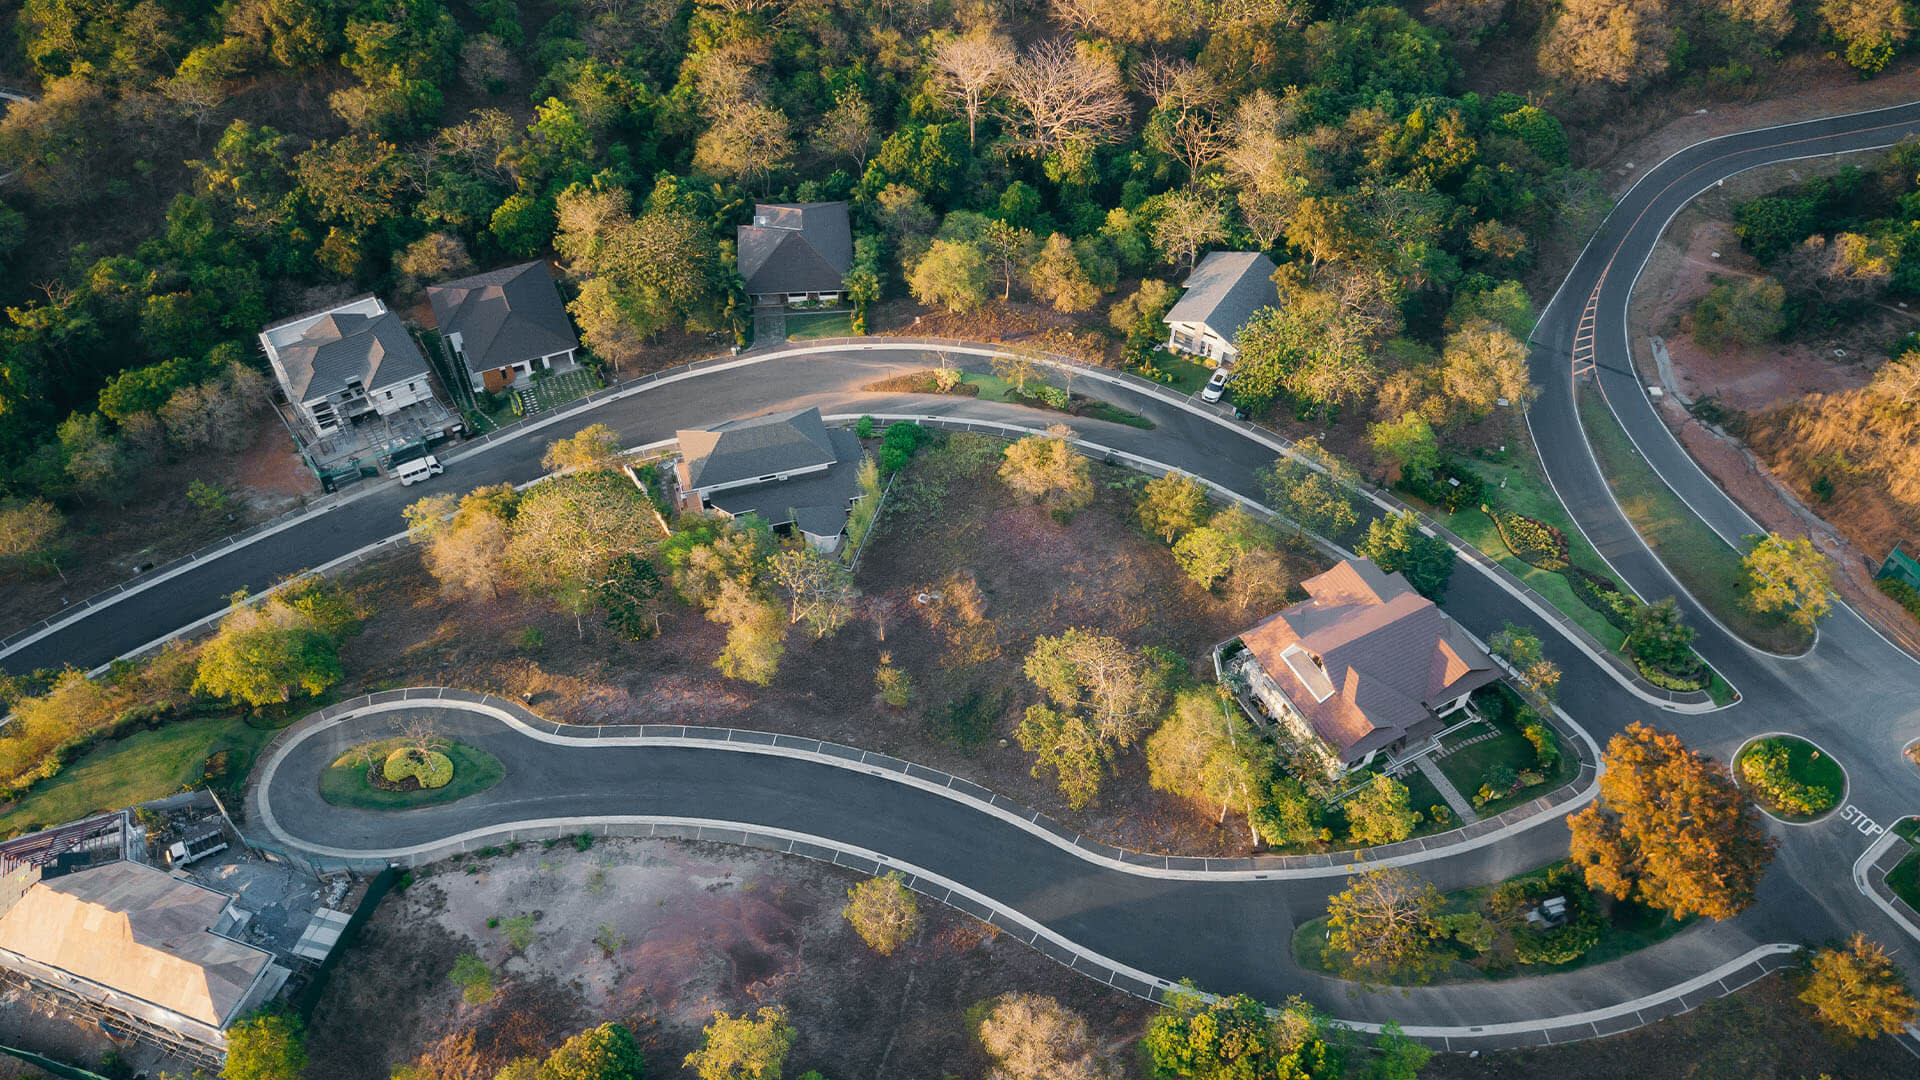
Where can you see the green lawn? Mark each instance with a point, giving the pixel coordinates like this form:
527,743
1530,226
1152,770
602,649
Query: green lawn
1188,377
811,325
1696,555
141,767
1423,796
1904,879
1805,765
1627,928
345,781
1526,491
1467,768
995,388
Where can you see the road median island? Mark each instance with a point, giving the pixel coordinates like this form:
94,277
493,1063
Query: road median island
1699,559
388,774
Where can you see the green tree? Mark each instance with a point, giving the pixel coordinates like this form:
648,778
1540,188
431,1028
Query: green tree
883,912
1856,990
1207,751
1058,277
1386,924
1407,445
1234,1038
1380,813
1396,544
1121,690
1790,576
1873,30
1206,555
1171,505
1045,469
266,1046
267,653
1538,676
1316,499
1657,637
607,1052
473,977
952,274
1482,363
743,1047
1069,745
32,534
819,589
1740,314
595,446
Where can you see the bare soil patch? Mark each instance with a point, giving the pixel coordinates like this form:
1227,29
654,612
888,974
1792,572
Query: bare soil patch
692,928
1760,1033
1857,526
1034,574
110,544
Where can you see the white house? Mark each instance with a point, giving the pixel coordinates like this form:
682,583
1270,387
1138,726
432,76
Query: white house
1223,294
347,362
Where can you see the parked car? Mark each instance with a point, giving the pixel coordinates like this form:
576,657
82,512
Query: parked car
1215,387
412,472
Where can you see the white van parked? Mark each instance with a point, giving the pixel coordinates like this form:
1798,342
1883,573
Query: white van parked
412,472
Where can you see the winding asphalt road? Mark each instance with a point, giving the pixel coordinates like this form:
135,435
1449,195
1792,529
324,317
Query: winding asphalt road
1853,694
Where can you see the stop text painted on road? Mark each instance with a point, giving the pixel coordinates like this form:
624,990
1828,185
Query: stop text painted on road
1856,817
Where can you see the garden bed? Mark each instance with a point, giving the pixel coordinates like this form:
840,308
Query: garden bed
352,781
1508,753
1790,778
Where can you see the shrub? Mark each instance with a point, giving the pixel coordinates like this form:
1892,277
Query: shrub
1766,768
1564,944
1903,594
902,441
1533,542
431,768
1452,485
1600,594
864,427
1545,752
1054,397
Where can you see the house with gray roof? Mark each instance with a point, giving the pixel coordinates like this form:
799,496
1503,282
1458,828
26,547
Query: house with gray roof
1223,294
796,252
786,468
347,364
505,324
1364,664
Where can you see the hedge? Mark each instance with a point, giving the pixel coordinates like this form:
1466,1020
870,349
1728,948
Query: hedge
1698,679
1600,594
1903,594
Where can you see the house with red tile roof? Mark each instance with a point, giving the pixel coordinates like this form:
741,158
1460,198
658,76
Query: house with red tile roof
1365,664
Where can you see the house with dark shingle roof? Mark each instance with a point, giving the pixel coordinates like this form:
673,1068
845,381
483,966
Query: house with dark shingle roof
1365,664
1223,294
346,363
787,468
505,324
796,252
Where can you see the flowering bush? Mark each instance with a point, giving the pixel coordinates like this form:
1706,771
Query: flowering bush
431,768
1532,541
1600,594
1765,768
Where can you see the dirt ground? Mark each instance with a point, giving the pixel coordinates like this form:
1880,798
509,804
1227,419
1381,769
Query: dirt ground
1761,1033
1035,575
1680,272
692,929
110,544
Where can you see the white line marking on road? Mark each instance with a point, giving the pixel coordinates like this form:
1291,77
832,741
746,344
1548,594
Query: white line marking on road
1858,818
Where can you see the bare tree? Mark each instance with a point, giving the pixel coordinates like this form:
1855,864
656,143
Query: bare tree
971,67
1062,93
1188,222
847,130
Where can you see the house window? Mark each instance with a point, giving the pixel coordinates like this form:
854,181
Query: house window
389,395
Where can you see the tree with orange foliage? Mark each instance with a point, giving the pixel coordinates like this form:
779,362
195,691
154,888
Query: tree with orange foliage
1670,830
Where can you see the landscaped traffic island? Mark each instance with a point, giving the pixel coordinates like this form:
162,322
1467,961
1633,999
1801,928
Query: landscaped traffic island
1790,777
1538,923
401,774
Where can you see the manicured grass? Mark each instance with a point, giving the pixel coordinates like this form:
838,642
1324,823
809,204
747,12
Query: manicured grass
811,325
1805,765
1696,555
1626,928
148,765
1904,879
1423,796
1526,491
1721,691
1114,414
1467,767
1188,376
995,388
1908,829
345,781
992,387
